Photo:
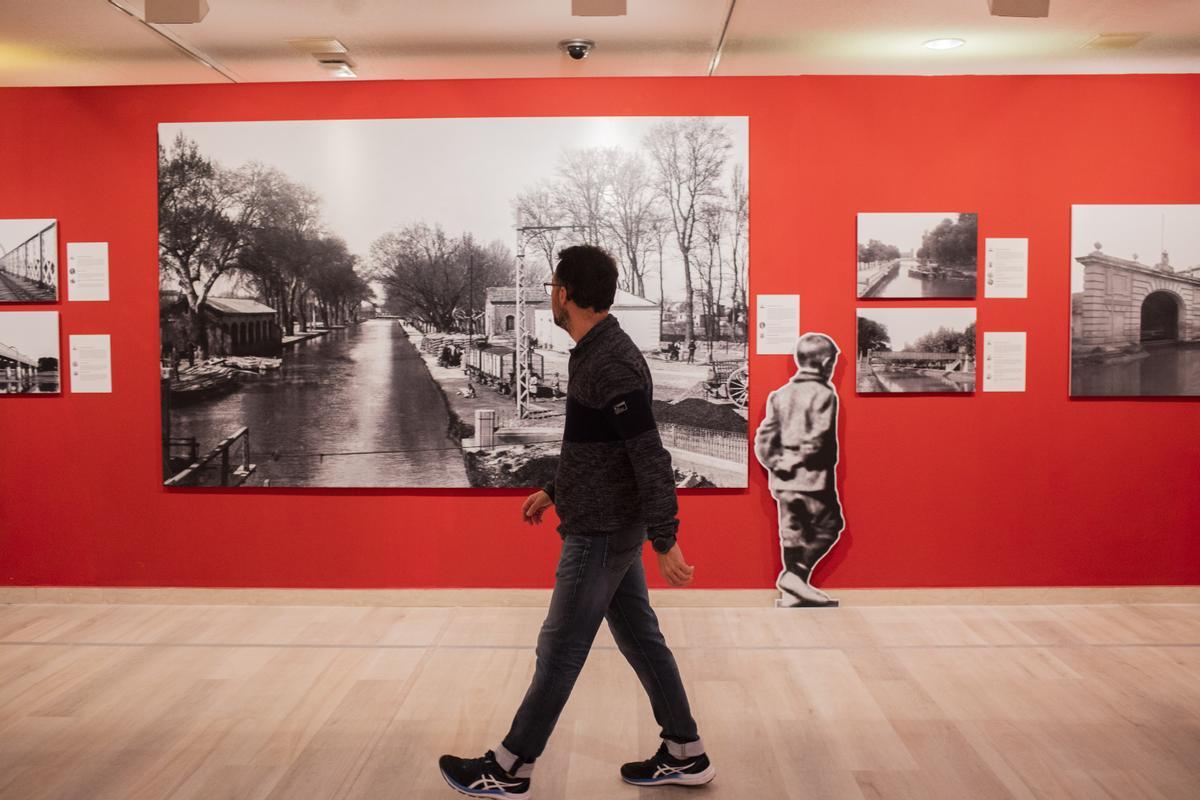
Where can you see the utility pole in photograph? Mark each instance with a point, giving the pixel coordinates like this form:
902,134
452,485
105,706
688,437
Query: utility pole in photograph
523,349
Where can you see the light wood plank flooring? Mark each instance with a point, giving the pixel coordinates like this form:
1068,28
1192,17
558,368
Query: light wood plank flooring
187,702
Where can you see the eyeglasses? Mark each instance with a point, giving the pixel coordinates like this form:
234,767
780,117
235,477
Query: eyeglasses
550,288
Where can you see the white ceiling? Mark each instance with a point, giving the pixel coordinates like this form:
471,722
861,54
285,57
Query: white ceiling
90,42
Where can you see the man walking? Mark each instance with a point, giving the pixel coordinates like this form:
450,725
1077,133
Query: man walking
614,489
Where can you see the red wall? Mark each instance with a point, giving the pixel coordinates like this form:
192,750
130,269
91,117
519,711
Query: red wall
995,489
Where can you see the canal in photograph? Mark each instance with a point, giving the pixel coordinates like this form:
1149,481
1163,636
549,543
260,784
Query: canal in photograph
349,395
902,284
901,380
1168,370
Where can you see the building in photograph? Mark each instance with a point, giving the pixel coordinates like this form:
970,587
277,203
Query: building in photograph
236,326
637,315
1126,303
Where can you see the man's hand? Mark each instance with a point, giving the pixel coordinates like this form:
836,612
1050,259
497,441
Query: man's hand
674,568
535,505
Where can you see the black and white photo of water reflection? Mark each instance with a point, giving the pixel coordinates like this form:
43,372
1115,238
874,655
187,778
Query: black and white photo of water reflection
917,255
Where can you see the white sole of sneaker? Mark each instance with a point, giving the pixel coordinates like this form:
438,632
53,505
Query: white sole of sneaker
681,780
502,794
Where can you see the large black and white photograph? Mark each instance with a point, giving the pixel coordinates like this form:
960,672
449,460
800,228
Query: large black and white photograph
360,303
28,260
922,349
1135,300
916,255
29,352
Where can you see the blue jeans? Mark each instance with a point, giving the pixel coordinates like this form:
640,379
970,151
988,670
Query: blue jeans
599,577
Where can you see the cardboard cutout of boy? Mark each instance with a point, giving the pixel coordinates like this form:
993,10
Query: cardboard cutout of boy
797,445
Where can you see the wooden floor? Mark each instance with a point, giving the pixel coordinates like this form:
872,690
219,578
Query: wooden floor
149,702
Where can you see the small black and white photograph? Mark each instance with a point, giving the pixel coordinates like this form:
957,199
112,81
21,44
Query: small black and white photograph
29,352
1135,300
361,303
28,260
910,350
917,255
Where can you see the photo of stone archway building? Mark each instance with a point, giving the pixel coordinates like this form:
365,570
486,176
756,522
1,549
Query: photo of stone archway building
1135,327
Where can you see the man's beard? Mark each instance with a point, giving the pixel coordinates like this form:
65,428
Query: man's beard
561,318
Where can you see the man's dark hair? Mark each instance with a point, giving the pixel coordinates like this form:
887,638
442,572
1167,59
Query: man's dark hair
589,274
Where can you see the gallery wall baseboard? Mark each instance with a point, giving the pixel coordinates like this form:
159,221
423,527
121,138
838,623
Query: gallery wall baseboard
665,598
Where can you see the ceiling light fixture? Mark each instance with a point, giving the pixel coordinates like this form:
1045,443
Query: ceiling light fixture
944,44
338,67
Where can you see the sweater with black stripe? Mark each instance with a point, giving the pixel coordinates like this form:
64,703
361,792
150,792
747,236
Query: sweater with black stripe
613,470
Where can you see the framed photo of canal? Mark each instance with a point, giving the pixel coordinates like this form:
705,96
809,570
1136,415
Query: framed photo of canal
916,350
360,303
917,255
1135,300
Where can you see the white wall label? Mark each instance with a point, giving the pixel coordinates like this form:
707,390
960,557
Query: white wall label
1003,361
777,324
91,363
1006,268
87,270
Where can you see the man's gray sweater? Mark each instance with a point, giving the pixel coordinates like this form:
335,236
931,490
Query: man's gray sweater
613,471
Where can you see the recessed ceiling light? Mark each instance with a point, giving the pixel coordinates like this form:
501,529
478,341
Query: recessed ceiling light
944,44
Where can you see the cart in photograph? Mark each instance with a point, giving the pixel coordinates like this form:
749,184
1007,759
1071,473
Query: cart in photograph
728,380
495,366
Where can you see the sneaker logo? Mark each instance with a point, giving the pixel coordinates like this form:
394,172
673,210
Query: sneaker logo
667,769
487,781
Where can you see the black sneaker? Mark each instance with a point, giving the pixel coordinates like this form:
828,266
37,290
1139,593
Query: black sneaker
481,777
664,768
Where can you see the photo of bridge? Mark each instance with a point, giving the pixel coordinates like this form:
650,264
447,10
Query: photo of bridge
29,352
28,260
908,350
1135,325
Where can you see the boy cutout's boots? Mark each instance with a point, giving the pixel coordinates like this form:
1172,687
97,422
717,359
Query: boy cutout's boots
664,768
799,592
484,777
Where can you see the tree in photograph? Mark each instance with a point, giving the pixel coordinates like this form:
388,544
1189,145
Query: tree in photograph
739,198
872,337
207,215
582,189
538,208
875,251
946,340
428,274
631,211
710,269
953,243
334,283
285,247
688,157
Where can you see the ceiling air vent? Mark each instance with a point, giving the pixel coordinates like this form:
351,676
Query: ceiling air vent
1114,41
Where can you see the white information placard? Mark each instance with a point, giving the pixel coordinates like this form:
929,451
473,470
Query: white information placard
778,324
1004,361
1006,268
91,363
87,270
